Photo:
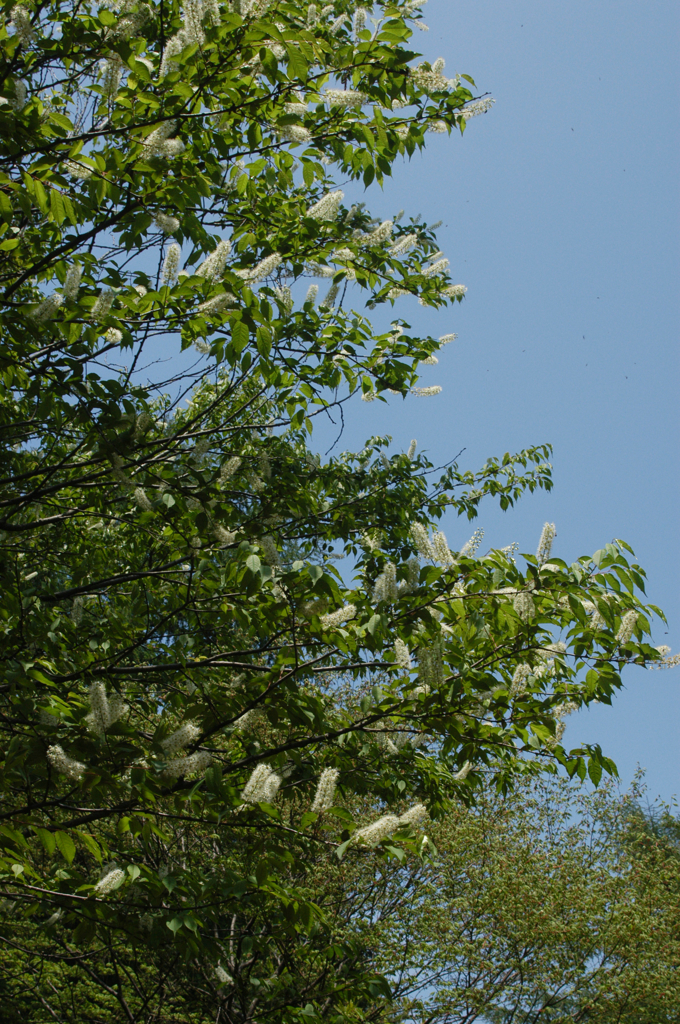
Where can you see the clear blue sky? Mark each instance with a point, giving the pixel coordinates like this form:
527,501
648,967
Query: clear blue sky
560,212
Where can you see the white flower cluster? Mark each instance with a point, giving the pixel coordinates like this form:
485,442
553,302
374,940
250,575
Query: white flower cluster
65,765
195,13
294,133
421,539
134,16
78,170
142,500
263,269
325,791
170,268
384,827
436,268
216,305
470,547
433,80
72,282
327,207
454,291
627,627
545,543
103,304
429,392
464,772
446,339
345,97
520,679
477,107
402,655
181,738
167,224
403,244
336,618
212,268
193,764
385,587
431,665
559,713
222,977
111,880
442,554
524,606
312,293
21,20
159,143
48,308
104,710
269,550
262,786
381,234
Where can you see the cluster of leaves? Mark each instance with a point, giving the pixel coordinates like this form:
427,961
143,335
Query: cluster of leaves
168,543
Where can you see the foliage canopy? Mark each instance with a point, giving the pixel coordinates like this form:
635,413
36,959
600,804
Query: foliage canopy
173,619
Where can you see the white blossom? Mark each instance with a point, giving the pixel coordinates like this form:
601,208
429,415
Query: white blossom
428,392
263,269
524,606
21,19
262,786
268,548
436,268
414,816
454,291
171,264
20,95
438,127
154,142
103,304
360,16
334,619
104,711
111,74
402,656
64,764
312,293
327,207
403,244
222,977
338,24
181,738
431,665
411,450
470,547
48,307
442,553
229,467
109,882
225,537
548,534
72,282
520,679
421,539
213,266
194,764
214,306
464,772
78,170
381,234
329,298
325,791
477,107
374,833
447,338
627,627
142,500
385,587
294,133
167,224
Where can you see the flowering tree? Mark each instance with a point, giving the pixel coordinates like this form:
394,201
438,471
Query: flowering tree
174,623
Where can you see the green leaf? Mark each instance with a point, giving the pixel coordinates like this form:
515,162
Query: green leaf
46,838
66,846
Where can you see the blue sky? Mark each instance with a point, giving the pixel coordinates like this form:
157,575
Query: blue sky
560,212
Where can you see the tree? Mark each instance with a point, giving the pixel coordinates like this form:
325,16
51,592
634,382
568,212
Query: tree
171,607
